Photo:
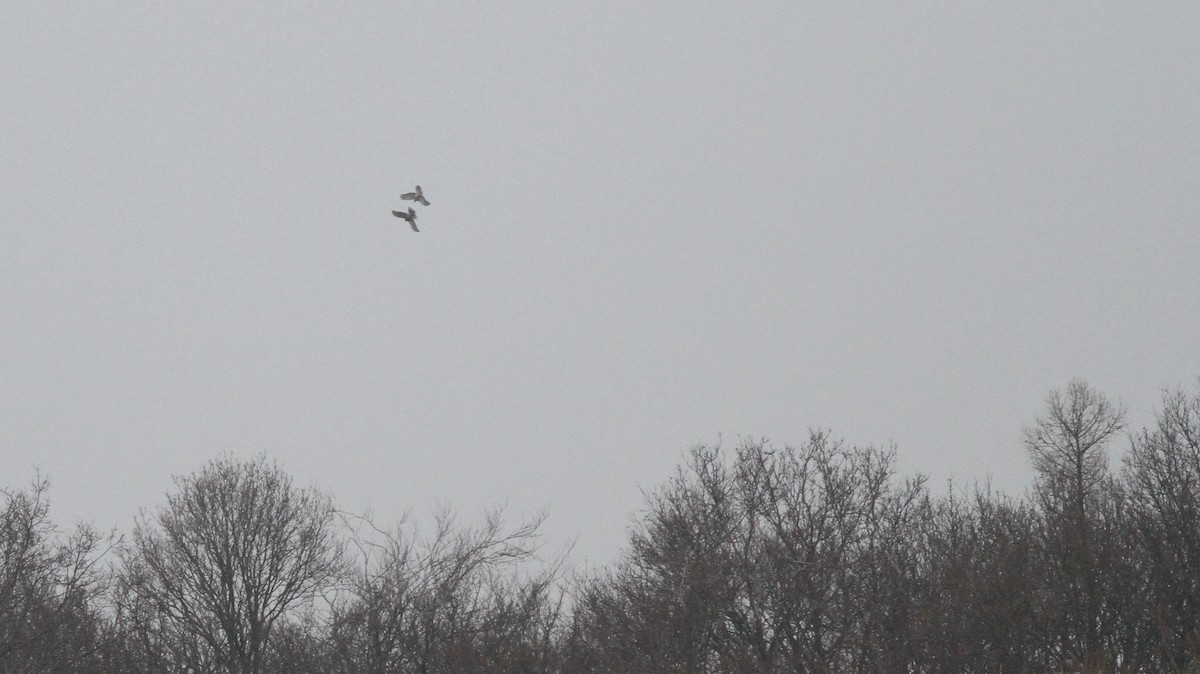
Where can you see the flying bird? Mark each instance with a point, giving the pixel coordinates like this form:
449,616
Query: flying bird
416,195
411,216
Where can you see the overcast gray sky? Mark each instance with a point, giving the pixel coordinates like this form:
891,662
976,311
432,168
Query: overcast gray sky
653,224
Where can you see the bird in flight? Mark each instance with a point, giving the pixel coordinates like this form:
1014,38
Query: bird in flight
416,195
411,216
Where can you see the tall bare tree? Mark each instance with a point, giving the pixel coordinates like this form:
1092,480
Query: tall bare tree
1067,441
236,549
1067,444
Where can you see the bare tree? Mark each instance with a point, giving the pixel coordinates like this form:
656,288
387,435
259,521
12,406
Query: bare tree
1163,472
776,561
148,641
231,554
467,599
1067,445
49,584
980,592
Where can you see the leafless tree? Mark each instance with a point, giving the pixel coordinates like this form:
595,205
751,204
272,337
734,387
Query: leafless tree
1067,442
824,523
775,561
467,599
147,640
49,585
302,646
978,600
236,549
1075,490
1163,473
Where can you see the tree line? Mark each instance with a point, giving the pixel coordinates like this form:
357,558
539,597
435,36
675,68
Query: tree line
815,557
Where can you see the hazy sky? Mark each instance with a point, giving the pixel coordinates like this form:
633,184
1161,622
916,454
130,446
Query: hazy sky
652,225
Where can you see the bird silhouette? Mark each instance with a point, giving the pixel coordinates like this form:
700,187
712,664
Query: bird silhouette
416,195
411,216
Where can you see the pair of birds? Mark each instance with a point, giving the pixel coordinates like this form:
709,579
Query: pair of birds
411,216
